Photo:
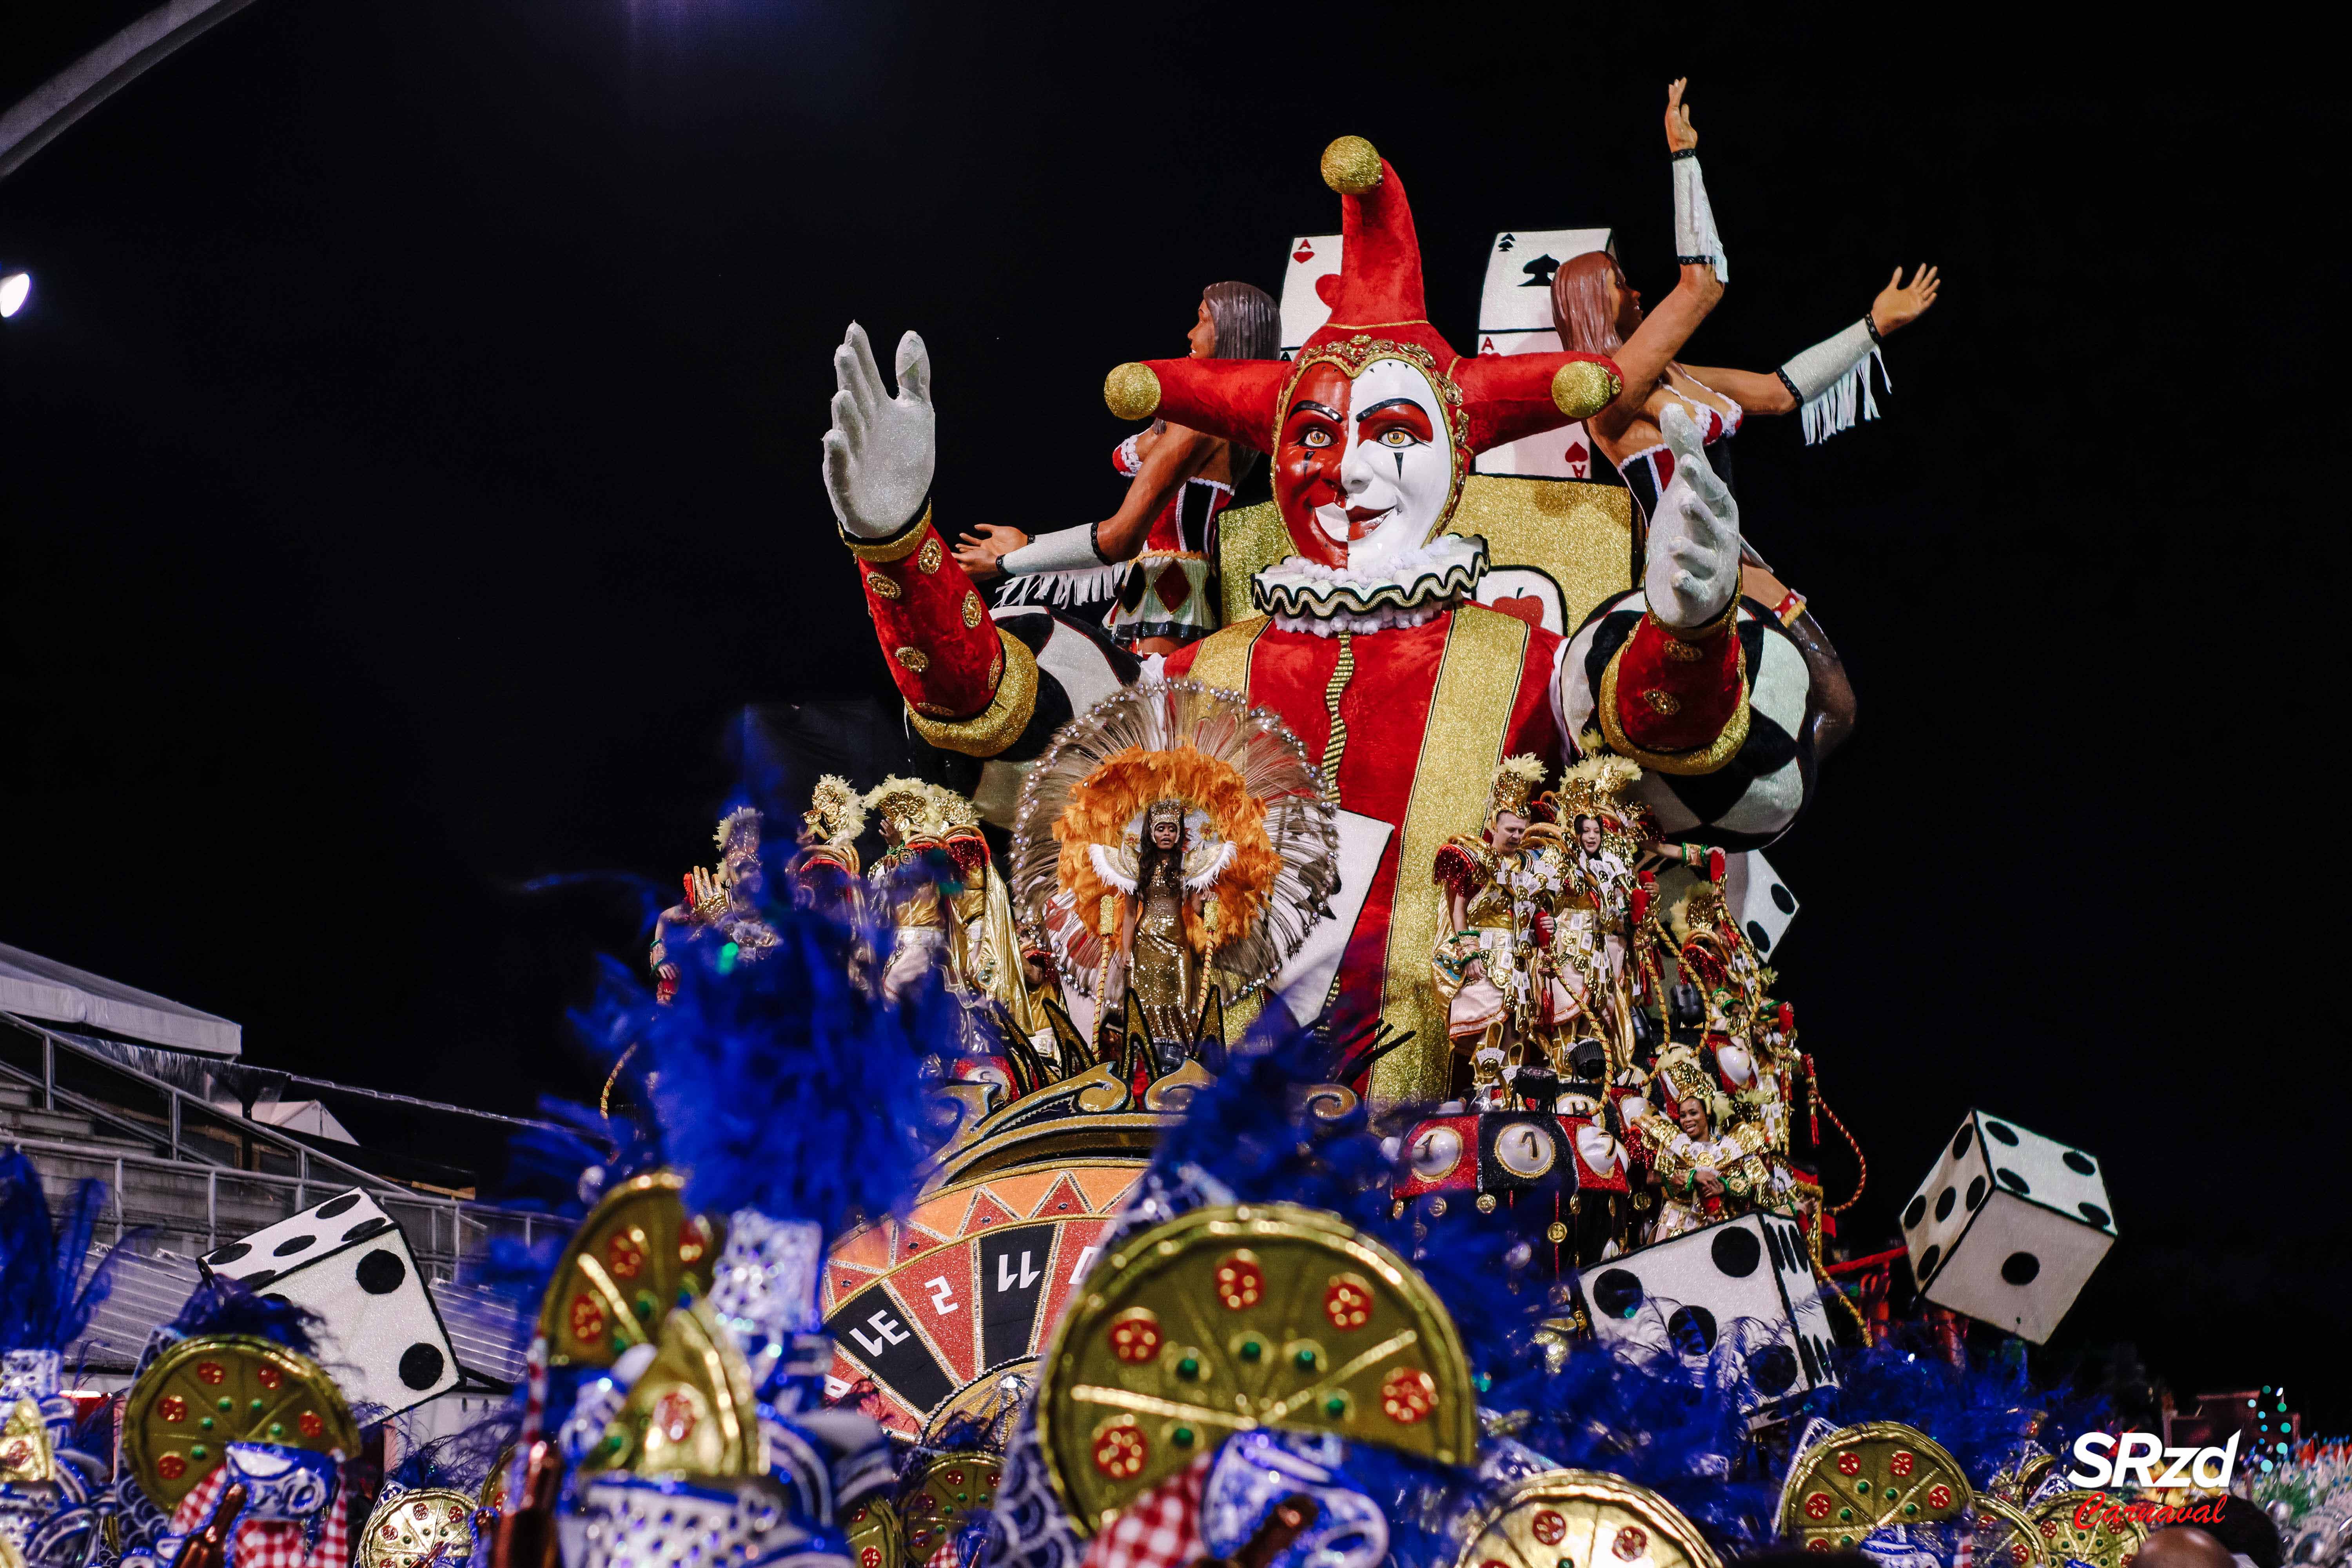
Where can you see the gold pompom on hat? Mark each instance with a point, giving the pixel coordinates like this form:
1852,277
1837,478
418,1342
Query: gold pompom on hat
1515,783
1351,166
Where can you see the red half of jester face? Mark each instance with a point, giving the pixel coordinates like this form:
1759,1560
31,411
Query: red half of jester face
1363,466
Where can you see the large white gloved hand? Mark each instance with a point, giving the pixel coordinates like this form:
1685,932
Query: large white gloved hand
1693,570
880,452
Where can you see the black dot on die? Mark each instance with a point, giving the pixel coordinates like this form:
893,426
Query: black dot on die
1927,1261
1960,1143
281,1300
2013,1181
1998,1130
1783,900
2080,1162
366,1229
2095,1214
380,1273
256,1281
1944,1202
1736,1252
1616,1294
334,1206
2021,1268
1916,1212
1691,1331
1773,1369
294,1244
230,1254
1760,937
1976,1190
420,1364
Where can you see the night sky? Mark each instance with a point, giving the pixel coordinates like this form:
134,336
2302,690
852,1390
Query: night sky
409,475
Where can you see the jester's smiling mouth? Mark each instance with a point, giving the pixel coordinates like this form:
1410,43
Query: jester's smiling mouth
1354,523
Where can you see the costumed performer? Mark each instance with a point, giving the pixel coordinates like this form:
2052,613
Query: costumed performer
1173,843
985,950
826,871
1157,554
908,876
1371,649
1493,961
724,902
1605,898
56,1485
1704,1165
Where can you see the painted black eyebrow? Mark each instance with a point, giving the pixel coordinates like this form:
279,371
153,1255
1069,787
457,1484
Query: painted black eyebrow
1388,402
1327,413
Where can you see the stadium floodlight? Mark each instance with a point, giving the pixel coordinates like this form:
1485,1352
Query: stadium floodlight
14,291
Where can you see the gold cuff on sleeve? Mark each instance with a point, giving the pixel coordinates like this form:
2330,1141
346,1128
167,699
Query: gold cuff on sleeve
999,724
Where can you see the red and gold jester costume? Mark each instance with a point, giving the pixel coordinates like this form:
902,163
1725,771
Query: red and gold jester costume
1406,693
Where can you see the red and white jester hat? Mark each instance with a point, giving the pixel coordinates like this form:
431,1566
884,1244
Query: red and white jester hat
1377,311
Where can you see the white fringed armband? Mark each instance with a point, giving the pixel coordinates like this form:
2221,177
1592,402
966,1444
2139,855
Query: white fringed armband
1064,549
1059,568
1695,240
1831,381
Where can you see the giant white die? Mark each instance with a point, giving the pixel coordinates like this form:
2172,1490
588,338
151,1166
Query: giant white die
347,1260
1744,1289
2007,1226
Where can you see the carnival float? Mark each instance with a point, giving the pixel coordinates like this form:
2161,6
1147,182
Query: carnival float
1303,1083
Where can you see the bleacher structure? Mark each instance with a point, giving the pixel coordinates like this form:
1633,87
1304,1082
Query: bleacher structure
195,1149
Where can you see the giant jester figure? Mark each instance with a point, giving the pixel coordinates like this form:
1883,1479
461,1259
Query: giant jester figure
1368,645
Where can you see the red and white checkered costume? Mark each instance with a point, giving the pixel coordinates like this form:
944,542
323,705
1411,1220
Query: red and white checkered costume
1162,1529
270,1542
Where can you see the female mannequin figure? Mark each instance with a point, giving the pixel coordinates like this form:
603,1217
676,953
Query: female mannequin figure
1598,311
1164,533
1161,966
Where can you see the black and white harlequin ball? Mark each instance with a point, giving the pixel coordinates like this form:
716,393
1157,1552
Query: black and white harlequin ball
1755,797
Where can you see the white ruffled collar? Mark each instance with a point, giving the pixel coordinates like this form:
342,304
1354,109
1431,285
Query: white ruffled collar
1417,587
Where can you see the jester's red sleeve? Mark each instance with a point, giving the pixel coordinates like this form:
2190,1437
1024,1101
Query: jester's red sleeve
969,688
1677,700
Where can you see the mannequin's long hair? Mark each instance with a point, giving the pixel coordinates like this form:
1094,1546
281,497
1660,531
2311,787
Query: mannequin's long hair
1580,303
1249,326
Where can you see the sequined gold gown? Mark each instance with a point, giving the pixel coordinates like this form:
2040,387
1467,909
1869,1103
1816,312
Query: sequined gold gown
1160,971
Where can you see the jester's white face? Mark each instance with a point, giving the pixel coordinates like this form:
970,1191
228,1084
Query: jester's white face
1363,467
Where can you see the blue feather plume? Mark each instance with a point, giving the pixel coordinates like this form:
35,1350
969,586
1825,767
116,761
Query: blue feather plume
222,1306
1245,1135
1980,1411
780,1086
43,1302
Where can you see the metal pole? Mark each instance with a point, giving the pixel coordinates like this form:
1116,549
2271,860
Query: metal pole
117,1200
302,1178
212,1208
175,1124
48,1073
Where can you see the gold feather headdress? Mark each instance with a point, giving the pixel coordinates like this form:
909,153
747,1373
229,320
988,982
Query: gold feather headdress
739,829
906,803
835,813
1516,781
